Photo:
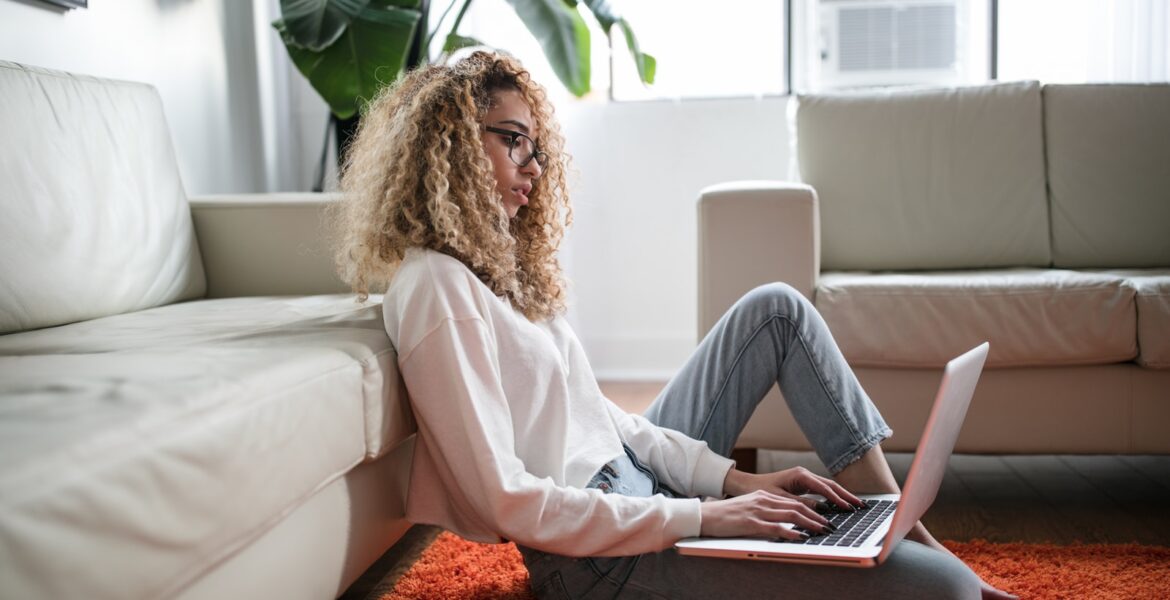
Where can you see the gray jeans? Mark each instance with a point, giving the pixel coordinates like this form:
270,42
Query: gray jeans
771,335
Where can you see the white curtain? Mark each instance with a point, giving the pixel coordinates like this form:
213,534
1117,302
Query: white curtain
1079,41
1138,46
292,115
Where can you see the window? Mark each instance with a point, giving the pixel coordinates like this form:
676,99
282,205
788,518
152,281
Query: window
857,43
704,49
736,48
1077,41
740,47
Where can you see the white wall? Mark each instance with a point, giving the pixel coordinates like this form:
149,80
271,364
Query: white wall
200,54
632,253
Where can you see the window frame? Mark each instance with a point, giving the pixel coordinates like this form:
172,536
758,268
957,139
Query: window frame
788,83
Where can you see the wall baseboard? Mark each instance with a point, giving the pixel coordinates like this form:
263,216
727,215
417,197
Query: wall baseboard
634,375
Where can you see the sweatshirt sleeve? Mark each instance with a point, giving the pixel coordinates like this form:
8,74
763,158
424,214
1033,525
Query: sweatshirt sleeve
452,376
685,464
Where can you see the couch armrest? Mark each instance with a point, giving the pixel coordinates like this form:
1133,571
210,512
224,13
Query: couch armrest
752,233
265,244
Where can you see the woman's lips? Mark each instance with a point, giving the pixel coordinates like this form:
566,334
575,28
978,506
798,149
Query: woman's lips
520,195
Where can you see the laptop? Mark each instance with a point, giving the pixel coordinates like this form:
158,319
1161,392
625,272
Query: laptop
867,537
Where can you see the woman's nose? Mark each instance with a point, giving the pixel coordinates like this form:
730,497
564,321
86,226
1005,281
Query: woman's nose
532,169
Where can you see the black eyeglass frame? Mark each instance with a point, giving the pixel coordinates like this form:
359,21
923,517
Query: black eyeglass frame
541,157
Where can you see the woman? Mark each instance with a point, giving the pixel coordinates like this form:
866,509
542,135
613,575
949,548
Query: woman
456,196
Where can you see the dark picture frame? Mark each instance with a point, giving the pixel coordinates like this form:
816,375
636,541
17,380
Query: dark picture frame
69,3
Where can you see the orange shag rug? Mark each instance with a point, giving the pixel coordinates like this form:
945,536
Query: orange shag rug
456,568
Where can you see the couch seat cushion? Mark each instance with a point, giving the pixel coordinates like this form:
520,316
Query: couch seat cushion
1153,314
171,437
1031,317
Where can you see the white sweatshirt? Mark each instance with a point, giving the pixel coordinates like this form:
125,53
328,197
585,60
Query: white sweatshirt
512,426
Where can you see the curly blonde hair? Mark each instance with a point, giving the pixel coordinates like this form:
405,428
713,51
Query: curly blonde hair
417,175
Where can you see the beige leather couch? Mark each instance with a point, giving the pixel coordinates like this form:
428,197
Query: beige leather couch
930,220
189,406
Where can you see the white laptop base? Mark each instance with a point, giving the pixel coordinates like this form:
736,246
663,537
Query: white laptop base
922,483
864,555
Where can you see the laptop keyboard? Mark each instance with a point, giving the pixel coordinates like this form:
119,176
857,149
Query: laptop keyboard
853,528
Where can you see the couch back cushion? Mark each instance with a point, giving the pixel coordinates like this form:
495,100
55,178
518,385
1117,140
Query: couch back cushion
927,178
95,222
1109,174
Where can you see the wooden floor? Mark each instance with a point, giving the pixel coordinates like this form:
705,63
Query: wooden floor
1059,499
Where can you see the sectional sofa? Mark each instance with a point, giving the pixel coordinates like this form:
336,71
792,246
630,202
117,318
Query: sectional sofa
190,405
930,220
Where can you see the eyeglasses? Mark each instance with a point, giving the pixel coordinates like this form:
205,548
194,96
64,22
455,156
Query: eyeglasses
521,148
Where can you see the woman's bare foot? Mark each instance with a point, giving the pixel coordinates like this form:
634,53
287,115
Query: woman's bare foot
922,536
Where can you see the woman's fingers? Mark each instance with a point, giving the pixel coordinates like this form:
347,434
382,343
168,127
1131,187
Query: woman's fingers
779,530
834,495
785,510
833,492
805,500
818,525
844,493
762,513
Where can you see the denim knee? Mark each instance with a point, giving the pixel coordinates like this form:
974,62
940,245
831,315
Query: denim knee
774,298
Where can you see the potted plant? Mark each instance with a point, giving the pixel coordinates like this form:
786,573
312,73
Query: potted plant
349,49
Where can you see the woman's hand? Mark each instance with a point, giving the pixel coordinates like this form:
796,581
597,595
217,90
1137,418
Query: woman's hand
791,483
759,514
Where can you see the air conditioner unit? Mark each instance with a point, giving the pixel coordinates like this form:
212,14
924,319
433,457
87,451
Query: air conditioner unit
889,42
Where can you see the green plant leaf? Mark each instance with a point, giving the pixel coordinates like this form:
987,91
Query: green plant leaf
605,13
397,3
563,36
370,54
608,16
647,64
315,24
455,42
